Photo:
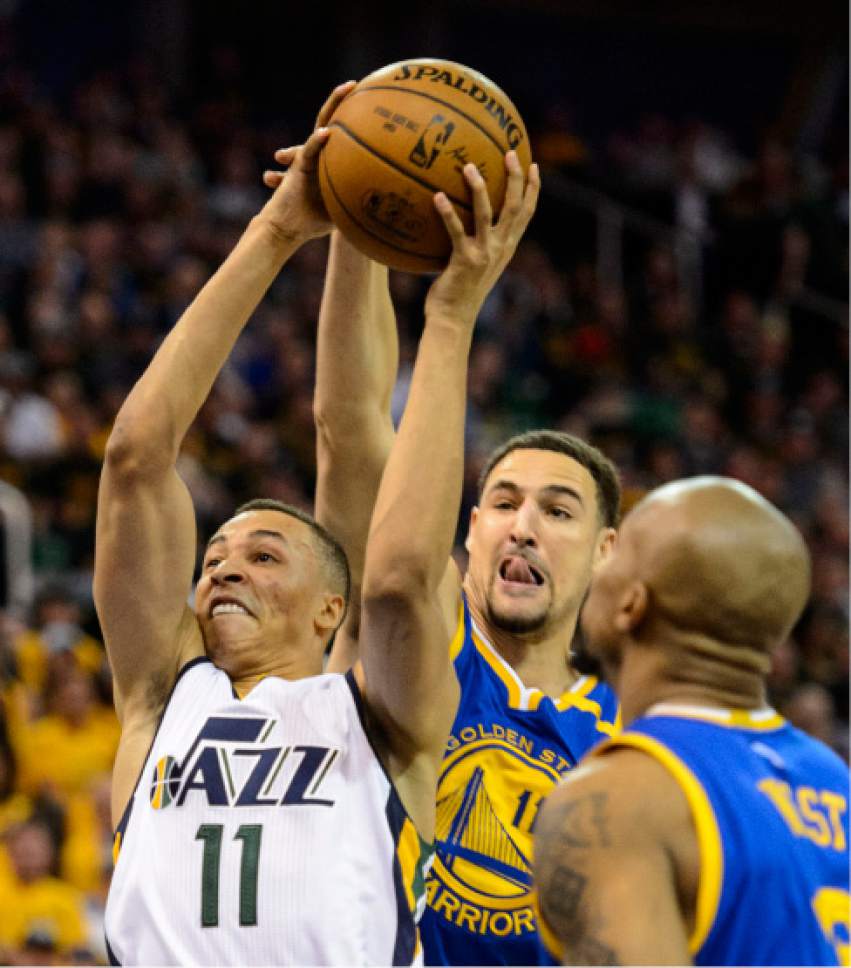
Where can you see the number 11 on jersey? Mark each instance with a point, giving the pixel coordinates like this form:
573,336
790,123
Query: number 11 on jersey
212,833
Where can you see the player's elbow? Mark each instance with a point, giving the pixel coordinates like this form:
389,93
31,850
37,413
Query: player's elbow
341,423
395,583
133,453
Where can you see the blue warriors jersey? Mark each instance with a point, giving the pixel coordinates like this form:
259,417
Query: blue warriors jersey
508,748
770,807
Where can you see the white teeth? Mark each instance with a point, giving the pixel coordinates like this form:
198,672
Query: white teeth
225,607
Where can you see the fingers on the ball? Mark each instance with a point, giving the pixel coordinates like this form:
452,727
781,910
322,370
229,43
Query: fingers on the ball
311,148
515,217
446,211
271,179
527,207
335,98
513,201
285,155
482,210
533,190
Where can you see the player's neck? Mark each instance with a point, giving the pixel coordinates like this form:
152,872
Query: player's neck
540,661
247,667
685,675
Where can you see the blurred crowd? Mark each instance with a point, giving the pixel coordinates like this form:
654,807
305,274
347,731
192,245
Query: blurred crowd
114,208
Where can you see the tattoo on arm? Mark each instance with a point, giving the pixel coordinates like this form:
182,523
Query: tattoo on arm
584,822
591,952
575,825
561,900
564,892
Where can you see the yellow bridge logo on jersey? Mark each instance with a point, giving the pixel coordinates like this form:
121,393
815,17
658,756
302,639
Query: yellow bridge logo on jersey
488,798
229,764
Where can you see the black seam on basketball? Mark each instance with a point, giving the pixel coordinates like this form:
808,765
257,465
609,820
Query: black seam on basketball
438,260
431,97
398,167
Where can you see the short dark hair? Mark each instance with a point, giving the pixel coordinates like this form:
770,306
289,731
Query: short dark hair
603,471
330,550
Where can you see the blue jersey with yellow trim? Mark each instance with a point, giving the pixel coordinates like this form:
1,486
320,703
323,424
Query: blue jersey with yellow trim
508,748
770,806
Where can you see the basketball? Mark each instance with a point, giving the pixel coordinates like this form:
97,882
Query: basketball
405,132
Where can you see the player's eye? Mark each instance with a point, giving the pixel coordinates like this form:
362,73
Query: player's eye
212,562
559,513
264,556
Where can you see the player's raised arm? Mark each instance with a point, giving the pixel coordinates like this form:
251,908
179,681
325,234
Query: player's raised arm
410,687
357,355
145,542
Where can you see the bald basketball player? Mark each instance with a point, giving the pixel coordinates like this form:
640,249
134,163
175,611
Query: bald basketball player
711,831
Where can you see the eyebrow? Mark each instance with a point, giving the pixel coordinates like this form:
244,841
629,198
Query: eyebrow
259,533
550,489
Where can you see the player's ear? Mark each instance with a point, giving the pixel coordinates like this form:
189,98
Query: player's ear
474,516
631,607
330,615
605,545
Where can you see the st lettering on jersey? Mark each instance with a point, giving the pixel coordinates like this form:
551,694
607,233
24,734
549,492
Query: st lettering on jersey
229,764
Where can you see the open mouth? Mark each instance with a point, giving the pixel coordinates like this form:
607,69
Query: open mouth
518,570
228,607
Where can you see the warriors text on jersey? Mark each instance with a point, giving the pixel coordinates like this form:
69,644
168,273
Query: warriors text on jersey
770,807
264,831
508,747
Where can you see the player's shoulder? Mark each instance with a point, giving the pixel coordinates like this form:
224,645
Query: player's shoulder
605,697
812,753
637,789
622,808
590,709
195,675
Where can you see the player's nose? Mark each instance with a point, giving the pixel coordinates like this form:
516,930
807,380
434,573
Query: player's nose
524,525
227,572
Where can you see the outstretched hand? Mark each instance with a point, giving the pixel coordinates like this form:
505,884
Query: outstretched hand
296,209
478,260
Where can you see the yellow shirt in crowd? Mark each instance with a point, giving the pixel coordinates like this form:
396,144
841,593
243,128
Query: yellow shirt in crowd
32,655
65,759
47,904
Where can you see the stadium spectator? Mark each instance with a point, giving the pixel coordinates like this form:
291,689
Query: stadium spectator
35,902
74,741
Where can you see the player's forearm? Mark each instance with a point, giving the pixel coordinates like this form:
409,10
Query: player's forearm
416,511
356,363
158,412
357,348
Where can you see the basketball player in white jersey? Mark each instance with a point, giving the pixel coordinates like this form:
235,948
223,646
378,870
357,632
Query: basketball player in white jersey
267,813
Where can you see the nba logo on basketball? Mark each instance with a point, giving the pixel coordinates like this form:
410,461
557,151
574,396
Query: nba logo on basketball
428,146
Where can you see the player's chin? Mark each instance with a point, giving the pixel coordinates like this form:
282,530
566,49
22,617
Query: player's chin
518,617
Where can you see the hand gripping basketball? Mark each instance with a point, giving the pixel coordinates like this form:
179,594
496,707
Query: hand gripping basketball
296,209
478,259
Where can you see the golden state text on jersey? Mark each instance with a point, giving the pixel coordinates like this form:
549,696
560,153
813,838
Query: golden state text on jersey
508,748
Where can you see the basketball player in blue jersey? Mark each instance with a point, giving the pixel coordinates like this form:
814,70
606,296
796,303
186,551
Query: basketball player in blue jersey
545,518
711,831
266,813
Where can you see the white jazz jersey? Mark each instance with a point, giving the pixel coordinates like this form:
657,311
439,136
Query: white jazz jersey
265,831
